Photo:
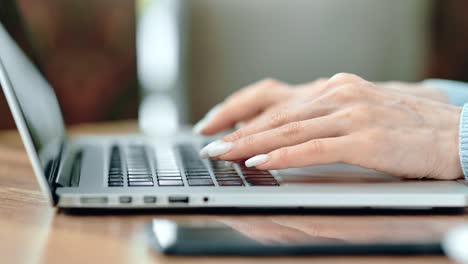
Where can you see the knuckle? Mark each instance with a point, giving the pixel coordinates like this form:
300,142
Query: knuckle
343,92
316,147
344,77
359,114
362,109
374,136
278,118
283,155
248,141
236,135
291,129
269,83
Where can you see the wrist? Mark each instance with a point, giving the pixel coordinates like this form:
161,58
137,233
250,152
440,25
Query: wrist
449,164
433,92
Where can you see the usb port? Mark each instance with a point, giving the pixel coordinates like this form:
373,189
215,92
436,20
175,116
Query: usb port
125,199
149,199
93,200
178,199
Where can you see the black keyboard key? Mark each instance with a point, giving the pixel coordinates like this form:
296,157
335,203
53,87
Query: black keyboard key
140,179
139,173
115,179
229,179
201,182
197,172
256,172
217,174
140,184
115,176
171,173
167,178
139,176
196,169
198,177
170,183
259,177
264,183
230,183
137,169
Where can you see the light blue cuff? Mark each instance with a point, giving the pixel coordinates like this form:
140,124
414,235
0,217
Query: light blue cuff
463,140
457,92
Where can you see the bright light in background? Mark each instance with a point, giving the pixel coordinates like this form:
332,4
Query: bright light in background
158,61
157,45
158,115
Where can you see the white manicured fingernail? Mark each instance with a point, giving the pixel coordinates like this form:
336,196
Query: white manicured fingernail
219,149
200,125
256,160
204,151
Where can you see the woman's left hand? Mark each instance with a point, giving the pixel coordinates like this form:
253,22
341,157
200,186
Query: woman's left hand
356,122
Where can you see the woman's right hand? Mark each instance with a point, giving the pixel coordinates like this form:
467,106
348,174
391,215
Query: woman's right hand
252,102
265,97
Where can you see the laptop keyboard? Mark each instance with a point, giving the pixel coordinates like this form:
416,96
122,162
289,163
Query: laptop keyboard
195,171
138,167
167,172
115,178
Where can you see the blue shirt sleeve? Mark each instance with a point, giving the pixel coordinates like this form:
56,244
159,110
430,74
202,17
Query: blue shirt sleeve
463,140
457,92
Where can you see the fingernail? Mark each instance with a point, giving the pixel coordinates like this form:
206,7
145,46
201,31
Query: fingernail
219,149
256,160
200,125
204,151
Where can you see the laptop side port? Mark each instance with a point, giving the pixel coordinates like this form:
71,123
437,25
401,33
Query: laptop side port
179,199
125,199
149,199
93,200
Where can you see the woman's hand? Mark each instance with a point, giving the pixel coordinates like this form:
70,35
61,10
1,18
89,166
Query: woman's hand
343,119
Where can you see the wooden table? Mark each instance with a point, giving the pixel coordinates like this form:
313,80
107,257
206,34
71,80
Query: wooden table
32,232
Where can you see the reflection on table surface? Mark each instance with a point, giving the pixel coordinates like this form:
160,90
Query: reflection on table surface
332,230
309,229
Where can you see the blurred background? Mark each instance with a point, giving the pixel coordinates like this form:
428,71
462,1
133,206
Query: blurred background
168,61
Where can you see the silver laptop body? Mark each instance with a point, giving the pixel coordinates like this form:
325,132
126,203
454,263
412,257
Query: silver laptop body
137,171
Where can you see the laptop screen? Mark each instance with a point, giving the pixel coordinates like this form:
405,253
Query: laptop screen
35,102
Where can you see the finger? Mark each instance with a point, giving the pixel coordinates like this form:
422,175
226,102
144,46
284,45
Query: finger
244,105
291,134
277,117
314,152
343,78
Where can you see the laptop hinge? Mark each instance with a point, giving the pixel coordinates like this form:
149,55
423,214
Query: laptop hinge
52,171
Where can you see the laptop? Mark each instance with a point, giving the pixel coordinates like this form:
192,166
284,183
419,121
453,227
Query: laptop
137,171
